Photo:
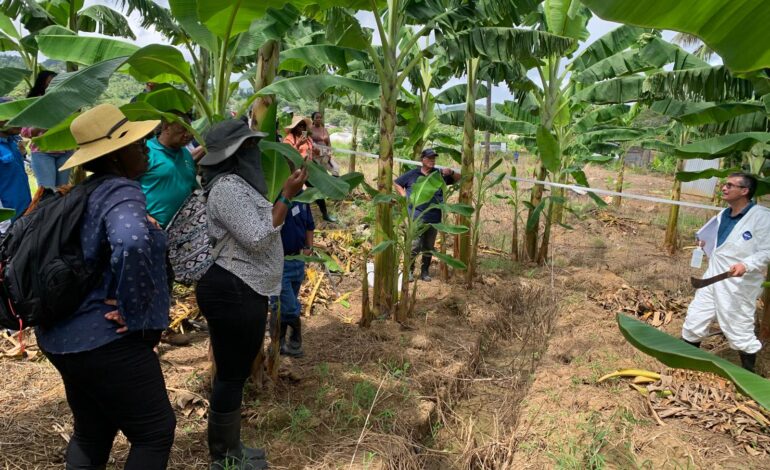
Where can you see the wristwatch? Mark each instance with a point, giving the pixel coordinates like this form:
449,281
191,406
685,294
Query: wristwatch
282,198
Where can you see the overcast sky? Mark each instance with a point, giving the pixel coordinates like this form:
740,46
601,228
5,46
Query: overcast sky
596,26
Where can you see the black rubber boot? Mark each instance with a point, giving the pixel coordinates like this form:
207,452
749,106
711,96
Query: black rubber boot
294,344
225,446
692,343
748,361
425,269
78,459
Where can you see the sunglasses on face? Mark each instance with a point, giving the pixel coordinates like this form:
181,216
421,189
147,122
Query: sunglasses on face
731,186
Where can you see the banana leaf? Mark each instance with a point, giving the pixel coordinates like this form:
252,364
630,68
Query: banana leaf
10,77
453,263
6,214
616,90
548,149
68,94
425,188
168,99
611,43
83,50
505,44
12,108
318,56
334,188
160,64
686,176
676,353
273,26
703,83
734,29
716,147
451,229
310,87
103,20
456,94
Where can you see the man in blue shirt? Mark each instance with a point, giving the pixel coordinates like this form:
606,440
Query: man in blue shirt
425,242
170,176
14,183
297,238
742,248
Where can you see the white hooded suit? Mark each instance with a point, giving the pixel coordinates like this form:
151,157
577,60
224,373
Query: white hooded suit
733,302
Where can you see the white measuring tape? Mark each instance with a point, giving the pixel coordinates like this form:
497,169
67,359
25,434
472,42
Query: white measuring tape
578,189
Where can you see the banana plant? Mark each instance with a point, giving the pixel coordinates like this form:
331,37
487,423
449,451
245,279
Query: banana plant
482,189
410,226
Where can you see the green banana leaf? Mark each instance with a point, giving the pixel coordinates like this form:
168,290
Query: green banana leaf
83,50
548,149
168,99
425,188
505,44
334,188
610,44
12,108
273,26
10,77
616,90
160,64
6,214
676,353
601,115
718,146
497,125
451,229
699,113
453,263
686,176
68,93
566,18
702,84
310,87
185,12
318,56
734,29
456,94
104,20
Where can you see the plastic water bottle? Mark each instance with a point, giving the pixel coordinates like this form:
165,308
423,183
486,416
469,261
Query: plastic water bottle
697,257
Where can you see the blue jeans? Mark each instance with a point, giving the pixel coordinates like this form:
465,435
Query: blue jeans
46,168
293,275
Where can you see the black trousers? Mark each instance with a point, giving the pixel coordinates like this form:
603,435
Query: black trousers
118,386
236,315
424,244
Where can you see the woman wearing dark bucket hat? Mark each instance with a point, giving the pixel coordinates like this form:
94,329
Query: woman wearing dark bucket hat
233,294
104,351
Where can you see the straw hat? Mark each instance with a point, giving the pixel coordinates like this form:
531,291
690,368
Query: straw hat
296,120
104,129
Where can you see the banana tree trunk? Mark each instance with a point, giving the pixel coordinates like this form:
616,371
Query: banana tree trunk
385,261
542,253
558,205
487,134
619,181
530,235
267,68
353,146
322,103
671,242
203,72
764,325
468,163
515,236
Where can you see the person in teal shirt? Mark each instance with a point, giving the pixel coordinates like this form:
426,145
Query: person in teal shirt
170,177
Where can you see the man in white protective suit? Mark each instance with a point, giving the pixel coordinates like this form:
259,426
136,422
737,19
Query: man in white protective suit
742,247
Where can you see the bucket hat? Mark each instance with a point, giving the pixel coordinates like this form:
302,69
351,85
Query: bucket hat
102,130
224,138
296,120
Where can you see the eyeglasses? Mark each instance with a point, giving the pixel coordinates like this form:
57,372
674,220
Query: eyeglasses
731,186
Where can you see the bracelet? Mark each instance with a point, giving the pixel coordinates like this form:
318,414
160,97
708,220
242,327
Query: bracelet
282,198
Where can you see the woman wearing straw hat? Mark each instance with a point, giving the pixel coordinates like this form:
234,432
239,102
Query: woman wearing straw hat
104,351
297,135
233,294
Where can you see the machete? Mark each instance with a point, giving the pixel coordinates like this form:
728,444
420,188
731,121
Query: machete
698,283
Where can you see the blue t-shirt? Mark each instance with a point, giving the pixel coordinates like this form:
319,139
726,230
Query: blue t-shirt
299,221
408,179
728,222
169,179
14,183
115,222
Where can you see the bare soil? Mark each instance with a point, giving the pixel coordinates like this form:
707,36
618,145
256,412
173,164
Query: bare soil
499,377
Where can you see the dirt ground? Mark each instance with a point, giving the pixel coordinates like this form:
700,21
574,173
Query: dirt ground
500,377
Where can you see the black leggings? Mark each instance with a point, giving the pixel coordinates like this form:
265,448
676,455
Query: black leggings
118,386
236,316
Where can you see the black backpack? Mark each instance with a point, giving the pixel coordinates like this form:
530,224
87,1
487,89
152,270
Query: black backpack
43,275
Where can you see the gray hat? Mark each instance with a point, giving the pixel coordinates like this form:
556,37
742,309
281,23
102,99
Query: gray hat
224,138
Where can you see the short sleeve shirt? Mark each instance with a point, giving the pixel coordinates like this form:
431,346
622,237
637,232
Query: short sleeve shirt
169,179
299,221
408,179
14,183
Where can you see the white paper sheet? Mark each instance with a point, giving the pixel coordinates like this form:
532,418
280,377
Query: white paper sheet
708,233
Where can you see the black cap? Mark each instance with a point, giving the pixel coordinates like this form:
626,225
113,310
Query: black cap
428,153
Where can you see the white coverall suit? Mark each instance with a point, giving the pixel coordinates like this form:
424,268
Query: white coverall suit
733,302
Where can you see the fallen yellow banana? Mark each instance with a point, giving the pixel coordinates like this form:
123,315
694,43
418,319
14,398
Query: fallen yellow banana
644,380
631,373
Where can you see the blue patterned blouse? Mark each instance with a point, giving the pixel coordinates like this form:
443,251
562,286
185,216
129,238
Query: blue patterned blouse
116,218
